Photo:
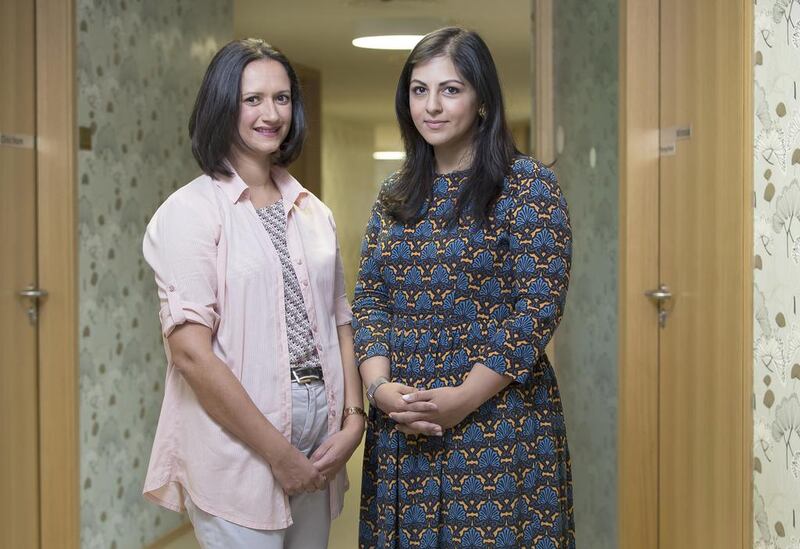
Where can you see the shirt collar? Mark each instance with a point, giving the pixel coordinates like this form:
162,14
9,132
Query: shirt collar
291,190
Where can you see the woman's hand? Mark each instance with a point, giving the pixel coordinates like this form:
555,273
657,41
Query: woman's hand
333,454
452,406
296,474
391,399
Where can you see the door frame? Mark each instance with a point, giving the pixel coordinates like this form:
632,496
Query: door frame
57,257
638,421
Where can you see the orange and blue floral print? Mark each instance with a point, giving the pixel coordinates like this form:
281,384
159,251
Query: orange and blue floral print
437,299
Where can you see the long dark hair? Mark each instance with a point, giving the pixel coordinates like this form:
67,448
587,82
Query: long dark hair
213,125
493,144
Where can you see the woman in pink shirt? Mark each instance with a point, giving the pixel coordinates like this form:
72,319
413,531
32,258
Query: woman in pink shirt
262,404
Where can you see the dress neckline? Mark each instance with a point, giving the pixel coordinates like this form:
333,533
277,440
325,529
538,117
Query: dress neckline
272,206
453,174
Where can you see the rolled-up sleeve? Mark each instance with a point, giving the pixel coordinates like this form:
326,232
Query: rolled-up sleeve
180,245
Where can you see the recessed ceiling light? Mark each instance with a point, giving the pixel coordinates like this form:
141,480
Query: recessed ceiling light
393,34
388,41
388,155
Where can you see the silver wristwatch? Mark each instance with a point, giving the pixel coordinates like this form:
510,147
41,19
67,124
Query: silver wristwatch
374,387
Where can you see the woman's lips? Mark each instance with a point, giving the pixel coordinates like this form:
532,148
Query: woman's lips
435,124
268,132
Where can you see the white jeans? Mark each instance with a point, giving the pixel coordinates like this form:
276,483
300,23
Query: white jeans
311,513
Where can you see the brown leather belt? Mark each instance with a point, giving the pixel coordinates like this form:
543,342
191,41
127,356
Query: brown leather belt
306,375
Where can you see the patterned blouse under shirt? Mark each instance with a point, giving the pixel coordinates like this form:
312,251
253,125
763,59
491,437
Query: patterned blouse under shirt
302,352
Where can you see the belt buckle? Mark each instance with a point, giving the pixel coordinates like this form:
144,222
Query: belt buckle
304,380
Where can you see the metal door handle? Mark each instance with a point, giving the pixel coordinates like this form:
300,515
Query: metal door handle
660,294
32,292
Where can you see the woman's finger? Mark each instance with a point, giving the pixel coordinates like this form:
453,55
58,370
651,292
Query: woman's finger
427,428
321,451
324,461
409,417
420,428
422,406
405,389
419,396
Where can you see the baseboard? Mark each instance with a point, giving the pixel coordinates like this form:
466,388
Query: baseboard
170,536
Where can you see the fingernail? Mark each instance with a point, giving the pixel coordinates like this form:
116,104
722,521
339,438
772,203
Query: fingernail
406,397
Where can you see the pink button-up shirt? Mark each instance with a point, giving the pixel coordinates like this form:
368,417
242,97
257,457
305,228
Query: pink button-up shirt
215,265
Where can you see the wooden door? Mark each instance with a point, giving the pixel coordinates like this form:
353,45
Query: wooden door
703,344
19,434
686,149
38,359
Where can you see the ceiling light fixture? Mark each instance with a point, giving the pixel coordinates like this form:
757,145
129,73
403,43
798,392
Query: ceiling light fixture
389,155
392,34
388,41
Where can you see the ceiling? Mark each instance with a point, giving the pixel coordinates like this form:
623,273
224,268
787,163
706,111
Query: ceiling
359,84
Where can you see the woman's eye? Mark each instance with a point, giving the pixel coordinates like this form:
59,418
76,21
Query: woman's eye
252,100
417,90
283,99
450,90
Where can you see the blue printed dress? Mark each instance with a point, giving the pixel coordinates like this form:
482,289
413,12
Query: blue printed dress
436,300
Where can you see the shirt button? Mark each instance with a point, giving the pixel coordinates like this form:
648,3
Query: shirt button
333,413
299,261
171,288
319,347
305,283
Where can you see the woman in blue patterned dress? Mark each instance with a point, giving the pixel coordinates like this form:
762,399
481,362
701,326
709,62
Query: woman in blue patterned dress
463,280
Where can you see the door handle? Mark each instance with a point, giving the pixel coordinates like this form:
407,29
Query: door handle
660,294
34,294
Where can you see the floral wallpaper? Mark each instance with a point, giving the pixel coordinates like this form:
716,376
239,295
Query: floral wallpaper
586,112
139,65
776,201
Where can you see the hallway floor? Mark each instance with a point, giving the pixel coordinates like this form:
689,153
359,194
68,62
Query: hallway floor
186,541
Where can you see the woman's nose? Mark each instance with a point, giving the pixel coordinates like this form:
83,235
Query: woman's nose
433,105
268,112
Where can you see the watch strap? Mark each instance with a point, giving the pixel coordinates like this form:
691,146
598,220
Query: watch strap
374,387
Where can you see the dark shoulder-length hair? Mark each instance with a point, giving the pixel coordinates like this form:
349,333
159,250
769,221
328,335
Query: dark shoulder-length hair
213,125
493,145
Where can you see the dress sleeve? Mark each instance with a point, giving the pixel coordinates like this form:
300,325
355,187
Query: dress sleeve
342,311
180,245
372,307
540,252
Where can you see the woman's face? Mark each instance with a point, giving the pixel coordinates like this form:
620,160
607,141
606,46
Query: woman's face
444,106
265,113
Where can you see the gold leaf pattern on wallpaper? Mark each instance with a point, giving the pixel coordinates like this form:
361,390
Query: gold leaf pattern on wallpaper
776,474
